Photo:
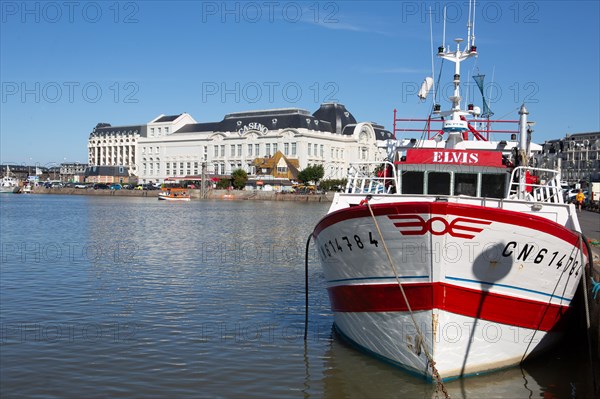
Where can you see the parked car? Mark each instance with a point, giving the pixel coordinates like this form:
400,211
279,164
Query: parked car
81,185
115,186
101,186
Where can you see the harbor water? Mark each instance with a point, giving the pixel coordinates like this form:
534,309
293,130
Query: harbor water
115,297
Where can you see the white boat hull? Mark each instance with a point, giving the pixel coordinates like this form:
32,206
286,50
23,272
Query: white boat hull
487,286
9,189
177,199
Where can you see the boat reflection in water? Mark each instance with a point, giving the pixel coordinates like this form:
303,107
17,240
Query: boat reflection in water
349,373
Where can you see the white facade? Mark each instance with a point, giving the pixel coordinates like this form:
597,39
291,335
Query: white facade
164,125
579,154
114,146
177,147
182,154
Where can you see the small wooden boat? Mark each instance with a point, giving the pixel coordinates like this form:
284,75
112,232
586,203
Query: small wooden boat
174,194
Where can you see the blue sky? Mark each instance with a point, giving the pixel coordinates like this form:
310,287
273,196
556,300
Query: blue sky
65,66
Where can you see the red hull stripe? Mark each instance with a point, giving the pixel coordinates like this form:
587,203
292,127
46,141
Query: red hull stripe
444,208
464,301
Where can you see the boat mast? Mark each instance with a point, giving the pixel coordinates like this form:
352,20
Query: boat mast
522,150
455,123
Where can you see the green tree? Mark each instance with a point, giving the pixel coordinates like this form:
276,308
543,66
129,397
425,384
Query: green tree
333,184
239,177
311,173
223,184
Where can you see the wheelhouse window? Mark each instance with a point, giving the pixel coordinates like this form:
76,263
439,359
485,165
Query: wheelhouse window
438,183
412,183
465,184
493,186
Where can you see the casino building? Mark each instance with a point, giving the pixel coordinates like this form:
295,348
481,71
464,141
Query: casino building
176,146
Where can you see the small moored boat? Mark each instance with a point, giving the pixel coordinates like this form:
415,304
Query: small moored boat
174,194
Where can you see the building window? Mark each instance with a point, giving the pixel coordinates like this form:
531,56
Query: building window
309,149
166,130
293,149
249,150
322,150
268,149
151,131
239,150
223,150
256,150
216,151
274,148
286,148
232,148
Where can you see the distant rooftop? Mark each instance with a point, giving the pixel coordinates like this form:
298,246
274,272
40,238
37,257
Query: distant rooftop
167,118
105,129
267,112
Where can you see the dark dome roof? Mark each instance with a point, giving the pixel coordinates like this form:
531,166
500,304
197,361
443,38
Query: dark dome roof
336,114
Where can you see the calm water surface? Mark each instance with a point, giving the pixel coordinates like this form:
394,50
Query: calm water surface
132,297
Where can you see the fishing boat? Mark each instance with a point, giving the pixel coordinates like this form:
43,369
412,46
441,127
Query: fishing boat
455,255
9,184
27,188
174,194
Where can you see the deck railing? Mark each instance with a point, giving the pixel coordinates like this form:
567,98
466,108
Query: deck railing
547,190
371,178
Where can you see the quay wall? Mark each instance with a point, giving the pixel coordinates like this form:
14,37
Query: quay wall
195,194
